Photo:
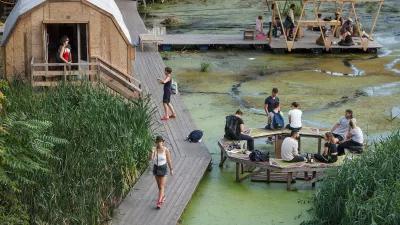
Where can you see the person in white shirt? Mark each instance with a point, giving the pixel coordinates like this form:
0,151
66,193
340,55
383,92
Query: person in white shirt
354,139
259,25
342,126
294,116
290,148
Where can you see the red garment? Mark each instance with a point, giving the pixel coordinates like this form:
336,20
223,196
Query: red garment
67,55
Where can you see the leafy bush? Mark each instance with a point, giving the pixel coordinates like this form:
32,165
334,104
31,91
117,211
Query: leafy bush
25,152
205,67
364,191
109,141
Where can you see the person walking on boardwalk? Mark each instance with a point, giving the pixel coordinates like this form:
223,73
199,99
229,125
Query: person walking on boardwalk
161,157
167,81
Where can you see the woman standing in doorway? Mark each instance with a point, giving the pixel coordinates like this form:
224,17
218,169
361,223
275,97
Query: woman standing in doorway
161,157
64,51
167,95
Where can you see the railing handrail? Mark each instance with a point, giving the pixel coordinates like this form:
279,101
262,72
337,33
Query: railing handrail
101,66
127,76
122,80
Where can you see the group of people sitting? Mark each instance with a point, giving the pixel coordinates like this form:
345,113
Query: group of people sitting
345,134
345,29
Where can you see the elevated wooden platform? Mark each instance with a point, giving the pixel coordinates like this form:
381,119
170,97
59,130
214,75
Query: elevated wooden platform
190,161
209,39
278,45
274,169
308,42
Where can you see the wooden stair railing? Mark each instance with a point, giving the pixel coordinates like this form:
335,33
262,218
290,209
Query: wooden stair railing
51,74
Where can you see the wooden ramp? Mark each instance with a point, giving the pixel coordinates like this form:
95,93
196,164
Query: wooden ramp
190,161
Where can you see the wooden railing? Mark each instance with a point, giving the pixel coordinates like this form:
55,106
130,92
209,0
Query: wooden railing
98,70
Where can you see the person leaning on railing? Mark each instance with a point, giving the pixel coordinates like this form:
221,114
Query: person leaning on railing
64,54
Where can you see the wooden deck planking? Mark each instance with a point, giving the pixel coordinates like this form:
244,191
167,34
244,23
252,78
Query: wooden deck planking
309,39
190,160
306,42
209,39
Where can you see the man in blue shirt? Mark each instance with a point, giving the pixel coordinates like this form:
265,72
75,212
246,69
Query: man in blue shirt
270,101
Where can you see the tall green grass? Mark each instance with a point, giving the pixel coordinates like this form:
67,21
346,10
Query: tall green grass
109,140
363,191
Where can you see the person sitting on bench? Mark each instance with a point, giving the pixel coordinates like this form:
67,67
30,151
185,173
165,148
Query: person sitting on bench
346,34
235,130
290,148
342,126
354,139
294,116
320,40
275,118
330,149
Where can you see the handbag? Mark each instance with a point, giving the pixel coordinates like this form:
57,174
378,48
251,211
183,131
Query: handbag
159,170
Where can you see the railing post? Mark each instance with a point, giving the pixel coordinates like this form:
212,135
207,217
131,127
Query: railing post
32,71
98,70
65,72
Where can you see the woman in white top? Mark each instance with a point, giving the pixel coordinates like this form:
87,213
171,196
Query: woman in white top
354,139
294,117
161,157
259,25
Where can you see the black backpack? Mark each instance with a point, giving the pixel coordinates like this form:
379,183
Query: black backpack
258,156
195,136
231,127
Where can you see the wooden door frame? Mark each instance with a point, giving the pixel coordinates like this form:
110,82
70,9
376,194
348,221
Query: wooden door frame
78,24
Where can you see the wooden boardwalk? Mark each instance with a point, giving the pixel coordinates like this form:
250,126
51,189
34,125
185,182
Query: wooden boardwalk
190,161
208,39
308,42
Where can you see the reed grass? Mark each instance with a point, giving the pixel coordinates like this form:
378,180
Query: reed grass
109,140
365,190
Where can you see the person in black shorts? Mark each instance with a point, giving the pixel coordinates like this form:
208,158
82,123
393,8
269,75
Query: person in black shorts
167,95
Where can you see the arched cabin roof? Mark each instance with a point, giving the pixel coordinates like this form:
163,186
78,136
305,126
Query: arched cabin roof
24,6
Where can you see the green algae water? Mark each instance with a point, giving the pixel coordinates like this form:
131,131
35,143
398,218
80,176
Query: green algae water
324,85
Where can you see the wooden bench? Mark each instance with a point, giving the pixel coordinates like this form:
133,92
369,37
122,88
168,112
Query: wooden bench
304,132
316,23
249,34
149,38
241,159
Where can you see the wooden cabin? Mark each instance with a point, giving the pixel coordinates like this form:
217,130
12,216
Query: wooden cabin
96,29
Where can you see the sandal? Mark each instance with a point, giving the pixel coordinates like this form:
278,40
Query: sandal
163,199
158,206
164,118
173,116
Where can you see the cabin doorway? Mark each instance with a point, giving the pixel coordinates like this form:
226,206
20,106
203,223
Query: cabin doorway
78,36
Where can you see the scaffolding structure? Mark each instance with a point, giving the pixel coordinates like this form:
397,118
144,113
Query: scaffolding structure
280,6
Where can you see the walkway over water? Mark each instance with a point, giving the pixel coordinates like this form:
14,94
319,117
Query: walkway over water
190,161
306,43
209,39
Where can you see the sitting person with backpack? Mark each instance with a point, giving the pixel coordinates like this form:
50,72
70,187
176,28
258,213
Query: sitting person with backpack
275,118
290,148
234,130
